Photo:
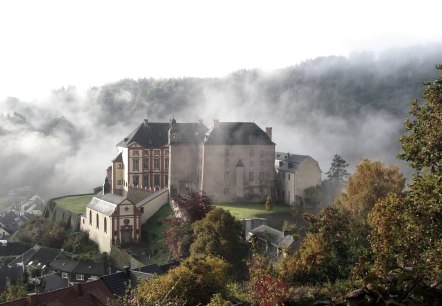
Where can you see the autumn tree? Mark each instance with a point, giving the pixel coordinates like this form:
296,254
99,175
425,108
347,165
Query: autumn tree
219,234
371,181
193,206
193,282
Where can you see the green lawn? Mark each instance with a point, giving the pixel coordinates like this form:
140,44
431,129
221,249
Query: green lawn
75,204
275,218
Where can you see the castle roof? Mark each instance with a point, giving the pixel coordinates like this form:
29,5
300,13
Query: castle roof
105,203
189,132
148,135
237,133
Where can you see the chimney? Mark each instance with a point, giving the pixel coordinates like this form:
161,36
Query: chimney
31,298
269,132
78,289
215,123
126,271
146,122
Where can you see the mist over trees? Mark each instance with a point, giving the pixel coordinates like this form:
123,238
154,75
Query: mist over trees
353,106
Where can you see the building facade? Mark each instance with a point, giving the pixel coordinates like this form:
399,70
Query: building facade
295,173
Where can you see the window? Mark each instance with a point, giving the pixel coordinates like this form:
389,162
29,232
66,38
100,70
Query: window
166,164
226,163
105,225
135,165
288,176
135,153
250,176
90,217
98,221
64,275
156,164
226,175
118,182
118,166
281,163
261,175
251,163
262,163
142,210
250,190
252,152
156,152
136,180
166,152
262,153
146,152
146,181
79,277
166,179
156,180
226,191
146,164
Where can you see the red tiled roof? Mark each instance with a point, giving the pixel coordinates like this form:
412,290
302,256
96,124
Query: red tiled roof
91,294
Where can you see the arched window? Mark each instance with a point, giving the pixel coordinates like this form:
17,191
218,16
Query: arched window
105,225
90,217
98,222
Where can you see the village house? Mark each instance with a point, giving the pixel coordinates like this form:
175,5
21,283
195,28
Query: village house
295,173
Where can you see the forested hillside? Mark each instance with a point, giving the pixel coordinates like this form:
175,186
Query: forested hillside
353,106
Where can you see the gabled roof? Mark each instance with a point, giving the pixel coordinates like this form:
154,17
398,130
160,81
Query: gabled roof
189,132
237,133
148,135
38,253
273,235
290,162
106,203
13,249
119,158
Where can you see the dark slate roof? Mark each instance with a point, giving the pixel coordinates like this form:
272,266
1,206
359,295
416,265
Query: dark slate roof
117,282
38,253
237,133
152,269
119,158
273,235
12,220
148,135
190,132
13,249
94,268
105,203
54,282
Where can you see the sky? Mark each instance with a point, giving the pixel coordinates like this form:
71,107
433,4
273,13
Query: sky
49,44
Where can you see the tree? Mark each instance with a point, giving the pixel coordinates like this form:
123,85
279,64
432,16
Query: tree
268,204
193,205
336,178
371,181
194,282
422,142
219,234
338,172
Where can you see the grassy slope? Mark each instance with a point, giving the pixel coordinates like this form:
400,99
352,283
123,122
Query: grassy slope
75,203
152,233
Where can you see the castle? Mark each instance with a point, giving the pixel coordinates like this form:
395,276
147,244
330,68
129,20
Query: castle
232,161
